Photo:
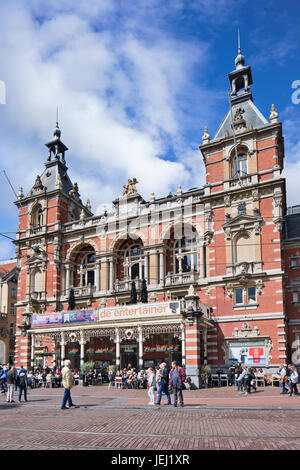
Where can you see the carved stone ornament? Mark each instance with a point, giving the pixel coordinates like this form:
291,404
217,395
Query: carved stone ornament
230,289
246,331
227,201
130,187
38,187
239,122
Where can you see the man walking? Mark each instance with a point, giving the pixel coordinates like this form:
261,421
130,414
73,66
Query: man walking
11,378
67,381
177,378
163,387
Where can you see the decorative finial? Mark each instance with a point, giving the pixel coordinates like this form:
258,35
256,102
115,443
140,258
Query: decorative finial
88,205
240,59
274,115
104,210
82,214
206,136
152,197
20,194
179,191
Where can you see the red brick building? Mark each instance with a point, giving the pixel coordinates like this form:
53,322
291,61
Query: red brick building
211,258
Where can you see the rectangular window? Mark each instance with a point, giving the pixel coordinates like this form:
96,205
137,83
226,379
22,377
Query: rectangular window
238,296
293,262
12,309
13,292
295,297
251,295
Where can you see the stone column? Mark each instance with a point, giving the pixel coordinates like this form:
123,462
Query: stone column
111,275
82,343
63,350
192,332
202,261
117,341
147,268
161,267
104,274
32,350
97,275
141,349
183,345
67,279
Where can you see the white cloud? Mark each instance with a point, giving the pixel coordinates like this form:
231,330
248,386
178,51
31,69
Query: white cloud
118,96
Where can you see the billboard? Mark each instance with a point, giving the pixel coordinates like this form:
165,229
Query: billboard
60,318
248,353
139,311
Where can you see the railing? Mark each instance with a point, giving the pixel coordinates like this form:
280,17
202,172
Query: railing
244,268
37,296
181,278
124,286
84,290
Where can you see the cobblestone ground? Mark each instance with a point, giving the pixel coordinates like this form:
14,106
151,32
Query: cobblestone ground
212,419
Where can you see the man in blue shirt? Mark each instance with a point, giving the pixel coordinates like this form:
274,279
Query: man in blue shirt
177,378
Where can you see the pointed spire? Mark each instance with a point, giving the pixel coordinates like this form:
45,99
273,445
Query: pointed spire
274,115
240,59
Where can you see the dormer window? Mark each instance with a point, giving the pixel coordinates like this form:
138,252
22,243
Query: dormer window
240,167
37,216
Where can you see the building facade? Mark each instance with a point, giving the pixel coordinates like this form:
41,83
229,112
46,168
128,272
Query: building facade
8,299
196,276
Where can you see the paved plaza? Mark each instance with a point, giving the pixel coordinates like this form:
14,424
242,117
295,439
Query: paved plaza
212,419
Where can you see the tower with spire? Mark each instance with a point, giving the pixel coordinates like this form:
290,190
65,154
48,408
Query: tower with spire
245,198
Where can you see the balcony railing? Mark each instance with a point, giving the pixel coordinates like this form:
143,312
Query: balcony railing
84,290
37,296
181,278
124,286
244,268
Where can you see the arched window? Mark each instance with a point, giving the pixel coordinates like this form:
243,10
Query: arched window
37,216
185,254
134,263
240,166
87,270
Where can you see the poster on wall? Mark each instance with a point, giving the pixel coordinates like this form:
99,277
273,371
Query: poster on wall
248,353
59,318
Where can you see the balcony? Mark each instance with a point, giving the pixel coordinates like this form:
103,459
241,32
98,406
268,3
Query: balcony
84,291
243,268
125,286
37,296
181,278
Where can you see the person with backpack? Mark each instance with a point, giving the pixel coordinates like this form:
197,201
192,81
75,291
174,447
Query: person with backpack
250,377
164,382
23,384
177,379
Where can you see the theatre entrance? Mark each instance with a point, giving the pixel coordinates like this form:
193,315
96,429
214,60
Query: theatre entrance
129,354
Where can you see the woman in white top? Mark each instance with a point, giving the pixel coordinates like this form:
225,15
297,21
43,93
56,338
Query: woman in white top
151,384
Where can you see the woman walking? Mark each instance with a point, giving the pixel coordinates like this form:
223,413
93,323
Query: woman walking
293,381
151,385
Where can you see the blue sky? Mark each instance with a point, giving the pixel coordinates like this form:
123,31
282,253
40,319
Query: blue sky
136,82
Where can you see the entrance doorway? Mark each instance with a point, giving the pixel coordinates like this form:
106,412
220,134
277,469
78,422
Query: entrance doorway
129,354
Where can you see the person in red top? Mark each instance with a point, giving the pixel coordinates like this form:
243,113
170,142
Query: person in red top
176,381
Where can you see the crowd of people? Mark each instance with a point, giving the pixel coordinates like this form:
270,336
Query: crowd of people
245,378
158,379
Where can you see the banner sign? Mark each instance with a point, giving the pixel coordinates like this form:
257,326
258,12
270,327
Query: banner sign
106,314
139,311
248,353
60,318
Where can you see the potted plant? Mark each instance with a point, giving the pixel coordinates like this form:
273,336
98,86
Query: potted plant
84,369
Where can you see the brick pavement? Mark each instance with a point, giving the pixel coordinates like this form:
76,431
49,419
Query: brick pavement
216,418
